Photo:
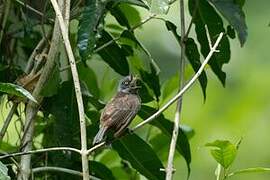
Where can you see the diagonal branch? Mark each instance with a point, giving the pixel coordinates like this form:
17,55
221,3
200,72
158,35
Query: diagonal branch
77,87
176,97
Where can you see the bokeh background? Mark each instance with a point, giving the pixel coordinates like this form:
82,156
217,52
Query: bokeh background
241,109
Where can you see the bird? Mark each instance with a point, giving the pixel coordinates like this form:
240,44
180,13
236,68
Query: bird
120,110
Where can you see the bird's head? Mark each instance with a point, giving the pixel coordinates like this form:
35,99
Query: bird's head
129,85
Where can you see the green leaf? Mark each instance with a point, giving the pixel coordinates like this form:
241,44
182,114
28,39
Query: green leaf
91,16
113,54
52,85
152,80
166,126
224,152
250,170
159,6
3,172
234,15
13,89
207,16
140,155
133,2
87,75
129,38
192,54
101,171
125,15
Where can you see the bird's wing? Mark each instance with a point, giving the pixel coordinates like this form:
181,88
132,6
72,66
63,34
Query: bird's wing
120,111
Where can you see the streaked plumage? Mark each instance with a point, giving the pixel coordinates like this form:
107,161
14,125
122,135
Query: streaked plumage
121,110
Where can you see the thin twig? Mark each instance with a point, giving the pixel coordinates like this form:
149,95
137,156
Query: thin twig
118,37
175,98
169,170
77,87
41,151
60,169
8,120
32,9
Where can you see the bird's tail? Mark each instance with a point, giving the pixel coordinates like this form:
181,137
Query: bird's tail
100,135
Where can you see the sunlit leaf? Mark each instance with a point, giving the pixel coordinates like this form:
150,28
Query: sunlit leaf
234,15
3,172
224,152
159,6
13,89
140,155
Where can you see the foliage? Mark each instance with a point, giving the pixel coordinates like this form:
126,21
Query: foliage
224,153
106,47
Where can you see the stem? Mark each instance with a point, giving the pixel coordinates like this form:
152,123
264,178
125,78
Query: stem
60,169
8,120
32,108
77,87
175,98
41,151
4,19
170,169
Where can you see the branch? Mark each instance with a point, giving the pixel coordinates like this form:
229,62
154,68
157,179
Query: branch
118,37
77,87
175,98
41,151
32,9
185,88
32,108
8,120
169,170
60,169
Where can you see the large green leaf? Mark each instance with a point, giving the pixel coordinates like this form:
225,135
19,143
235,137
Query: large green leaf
192,55
91,16
206,16
113,54
235,16
3,172
126,15
100,171
140,155
166,126
13,89
224,152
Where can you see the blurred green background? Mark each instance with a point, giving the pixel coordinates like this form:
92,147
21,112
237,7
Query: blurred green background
241,109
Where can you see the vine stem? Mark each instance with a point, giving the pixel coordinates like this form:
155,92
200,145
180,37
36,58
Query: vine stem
169,170
176,97
64,31
41,151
